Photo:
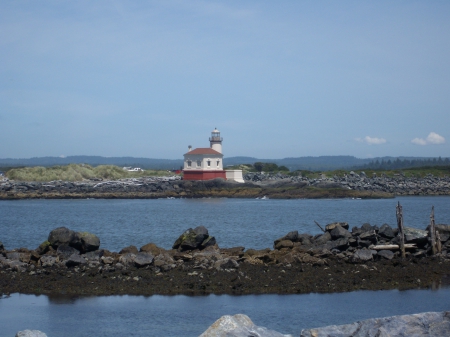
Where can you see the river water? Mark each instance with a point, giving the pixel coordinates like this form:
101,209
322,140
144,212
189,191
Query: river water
234,222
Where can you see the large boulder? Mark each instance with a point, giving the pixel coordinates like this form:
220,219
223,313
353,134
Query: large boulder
386,231
143,259
64,252
414,235
191,239
362,255
62,236
89,242
418,325
333,225
291,236
339,232
238,326
322,239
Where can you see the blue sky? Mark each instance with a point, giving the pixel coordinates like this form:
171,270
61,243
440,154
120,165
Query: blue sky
277,78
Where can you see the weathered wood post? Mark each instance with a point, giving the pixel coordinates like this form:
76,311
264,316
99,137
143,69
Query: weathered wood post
401,232
432,232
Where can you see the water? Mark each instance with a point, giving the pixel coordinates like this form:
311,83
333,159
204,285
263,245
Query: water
189,316
234,222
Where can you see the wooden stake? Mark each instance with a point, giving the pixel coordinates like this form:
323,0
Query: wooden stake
401,232
432,232
323,230
438,242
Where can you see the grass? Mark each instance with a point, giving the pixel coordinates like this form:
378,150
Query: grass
77,172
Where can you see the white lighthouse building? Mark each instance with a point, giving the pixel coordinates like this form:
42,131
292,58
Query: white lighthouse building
207,163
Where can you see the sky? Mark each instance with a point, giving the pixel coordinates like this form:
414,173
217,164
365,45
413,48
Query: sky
277,78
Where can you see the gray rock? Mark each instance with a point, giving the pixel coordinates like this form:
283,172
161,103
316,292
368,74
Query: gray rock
362,255
64,252
47,261
387,254
89,242
62,236
143,259
366,227
14,256
418,325
75,260
238,326
339,232
333,225
30,333
414,235
127,259
192,239
386,231
324,238
129,249
226,264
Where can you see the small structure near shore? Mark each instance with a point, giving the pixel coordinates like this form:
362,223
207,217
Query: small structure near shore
207,163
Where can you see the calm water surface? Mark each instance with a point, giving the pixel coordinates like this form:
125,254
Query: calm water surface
234,222
189,316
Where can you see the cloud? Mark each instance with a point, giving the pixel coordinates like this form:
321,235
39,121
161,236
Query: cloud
433,138
371,140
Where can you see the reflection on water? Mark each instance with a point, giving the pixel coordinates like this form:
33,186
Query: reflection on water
190,316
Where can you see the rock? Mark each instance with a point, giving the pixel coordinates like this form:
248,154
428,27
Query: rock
324,238
47,261
362,255
291,236
107,260
17,266
191,239
284,244
30,333
369,235
418,325
75,260
226,264
143,259
94,255
129,249
333,225
14,256
387,254
43,248
366,227
89,242
64,251
238,326
386,231
127,259
2,248
305,239
62,236
440,227
151,248
339,232
414,235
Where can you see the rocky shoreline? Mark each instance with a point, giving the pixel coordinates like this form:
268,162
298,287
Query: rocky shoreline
366,257
256,185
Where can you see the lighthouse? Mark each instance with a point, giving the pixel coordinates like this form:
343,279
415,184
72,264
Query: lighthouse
205,163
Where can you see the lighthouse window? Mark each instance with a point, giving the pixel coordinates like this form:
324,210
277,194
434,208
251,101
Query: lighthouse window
189,163
218,162
209,163
199,163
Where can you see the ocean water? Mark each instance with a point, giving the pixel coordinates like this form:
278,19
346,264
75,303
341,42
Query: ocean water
233,222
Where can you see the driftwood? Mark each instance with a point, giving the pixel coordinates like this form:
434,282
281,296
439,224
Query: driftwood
323,230
393,247
432,232
401,231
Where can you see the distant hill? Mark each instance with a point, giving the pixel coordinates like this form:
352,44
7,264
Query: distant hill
321,163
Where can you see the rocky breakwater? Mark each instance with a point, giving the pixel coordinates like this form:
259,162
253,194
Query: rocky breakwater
399,184
366,257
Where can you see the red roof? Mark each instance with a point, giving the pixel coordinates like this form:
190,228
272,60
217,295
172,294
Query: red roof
203,150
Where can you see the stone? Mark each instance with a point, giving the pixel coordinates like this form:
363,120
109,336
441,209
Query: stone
238,326
14,256
47,261
43,248
387,254
30,333
64,251
362,255
75,260
339,232
226,264
324,238
89,242
386,231
291,236
414,235
369,235
417,325
143,259
193,239
284,244
151,248
94,255
61,236
129,249
107,260
366,227
127,259
333,225
208,242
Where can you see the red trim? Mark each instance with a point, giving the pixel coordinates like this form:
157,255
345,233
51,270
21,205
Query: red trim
203,175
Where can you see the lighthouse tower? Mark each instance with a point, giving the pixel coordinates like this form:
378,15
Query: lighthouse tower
215,140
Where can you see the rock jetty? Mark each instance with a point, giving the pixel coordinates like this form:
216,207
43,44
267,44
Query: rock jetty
365,257
256,185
